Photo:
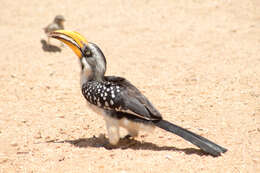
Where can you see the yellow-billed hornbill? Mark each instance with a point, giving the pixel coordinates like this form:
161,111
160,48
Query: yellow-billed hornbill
120,102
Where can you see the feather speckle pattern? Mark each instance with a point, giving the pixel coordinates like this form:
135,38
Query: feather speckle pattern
102,94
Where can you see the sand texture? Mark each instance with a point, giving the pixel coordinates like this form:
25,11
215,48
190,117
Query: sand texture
198,61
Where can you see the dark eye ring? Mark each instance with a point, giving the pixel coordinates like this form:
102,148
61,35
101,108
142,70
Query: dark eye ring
87,51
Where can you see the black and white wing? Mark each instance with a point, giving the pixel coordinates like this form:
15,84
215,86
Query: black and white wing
116,93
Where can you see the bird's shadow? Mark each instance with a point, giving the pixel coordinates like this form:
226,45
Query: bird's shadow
102,142
48,47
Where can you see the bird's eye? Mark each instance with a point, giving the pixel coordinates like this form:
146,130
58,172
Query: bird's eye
87,52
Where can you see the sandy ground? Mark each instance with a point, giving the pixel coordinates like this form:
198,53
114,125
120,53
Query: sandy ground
198,61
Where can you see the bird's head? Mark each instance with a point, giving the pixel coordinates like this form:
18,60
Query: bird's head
59,19
92,60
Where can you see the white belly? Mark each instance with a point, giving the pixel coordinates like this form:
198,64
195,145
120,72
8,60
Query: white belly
123,122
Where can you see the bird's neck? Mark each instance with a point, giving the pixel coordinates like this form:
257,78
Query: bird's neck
88,75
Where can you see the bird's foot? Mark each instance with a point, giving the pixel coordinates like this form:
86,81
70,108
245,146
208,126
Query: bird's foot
128,137
127,142
109,146
124,143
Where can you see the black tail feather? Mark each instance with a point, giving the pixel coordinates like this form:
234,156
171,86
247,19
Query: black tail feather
199,141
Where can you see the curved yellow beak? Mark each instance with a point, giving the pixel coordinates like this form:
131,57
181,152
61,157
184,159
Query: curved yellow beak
71,38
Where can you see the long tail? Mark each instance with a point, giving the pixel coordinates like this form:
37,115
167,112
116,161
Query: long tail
199,141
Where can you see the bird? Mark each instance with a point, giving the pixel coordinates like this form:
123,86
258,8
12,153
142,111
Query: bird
117,100
57,24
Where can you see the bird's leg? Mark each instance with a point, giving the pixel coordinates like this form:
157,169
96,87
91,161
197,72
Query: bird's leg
112,130
132,133
131,127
